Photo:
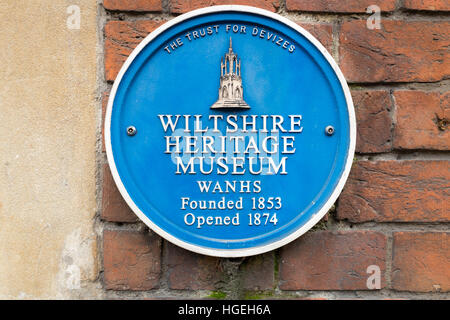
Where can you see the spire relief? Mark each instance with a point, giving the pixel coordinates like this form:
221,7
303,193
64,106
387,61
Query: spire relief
231,92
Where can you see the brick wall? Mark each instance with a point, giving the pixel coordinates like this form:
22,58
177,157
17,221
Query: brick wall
394,212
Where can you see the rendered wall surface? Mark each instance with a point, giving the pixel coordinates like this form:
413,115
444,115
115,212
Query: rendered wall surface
48,247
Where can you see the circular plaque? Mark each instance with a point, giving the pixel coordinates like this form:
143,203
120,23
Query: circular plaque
230,131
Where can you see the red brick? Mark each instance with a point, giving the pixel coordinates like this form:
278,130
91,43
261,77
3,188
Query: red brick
397,191
322,31
338,5
422,120
114,207
257,272
401,51
182,6
133,5
121,37
192,271
373,121
428,5
421,261
132,260
325,260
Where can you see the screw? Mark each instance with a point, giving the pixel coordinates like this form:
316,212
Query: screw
442,124
329,130
131,131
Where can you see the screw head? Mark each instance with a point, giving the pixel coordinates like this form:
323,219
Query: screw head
329,130
131,131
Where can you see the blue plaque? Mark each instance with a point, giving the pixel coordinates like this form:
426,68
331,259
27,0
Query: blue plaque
230,131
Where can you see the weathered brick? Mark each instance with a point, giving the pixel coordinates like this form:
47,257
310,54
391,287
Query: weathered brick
121,37
192,271
373,121
422,120
182,6
257,272
114,207
397,191
132,260
427,5
133,5
421,261
401,51
325,260
105,97
322,31
338,5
